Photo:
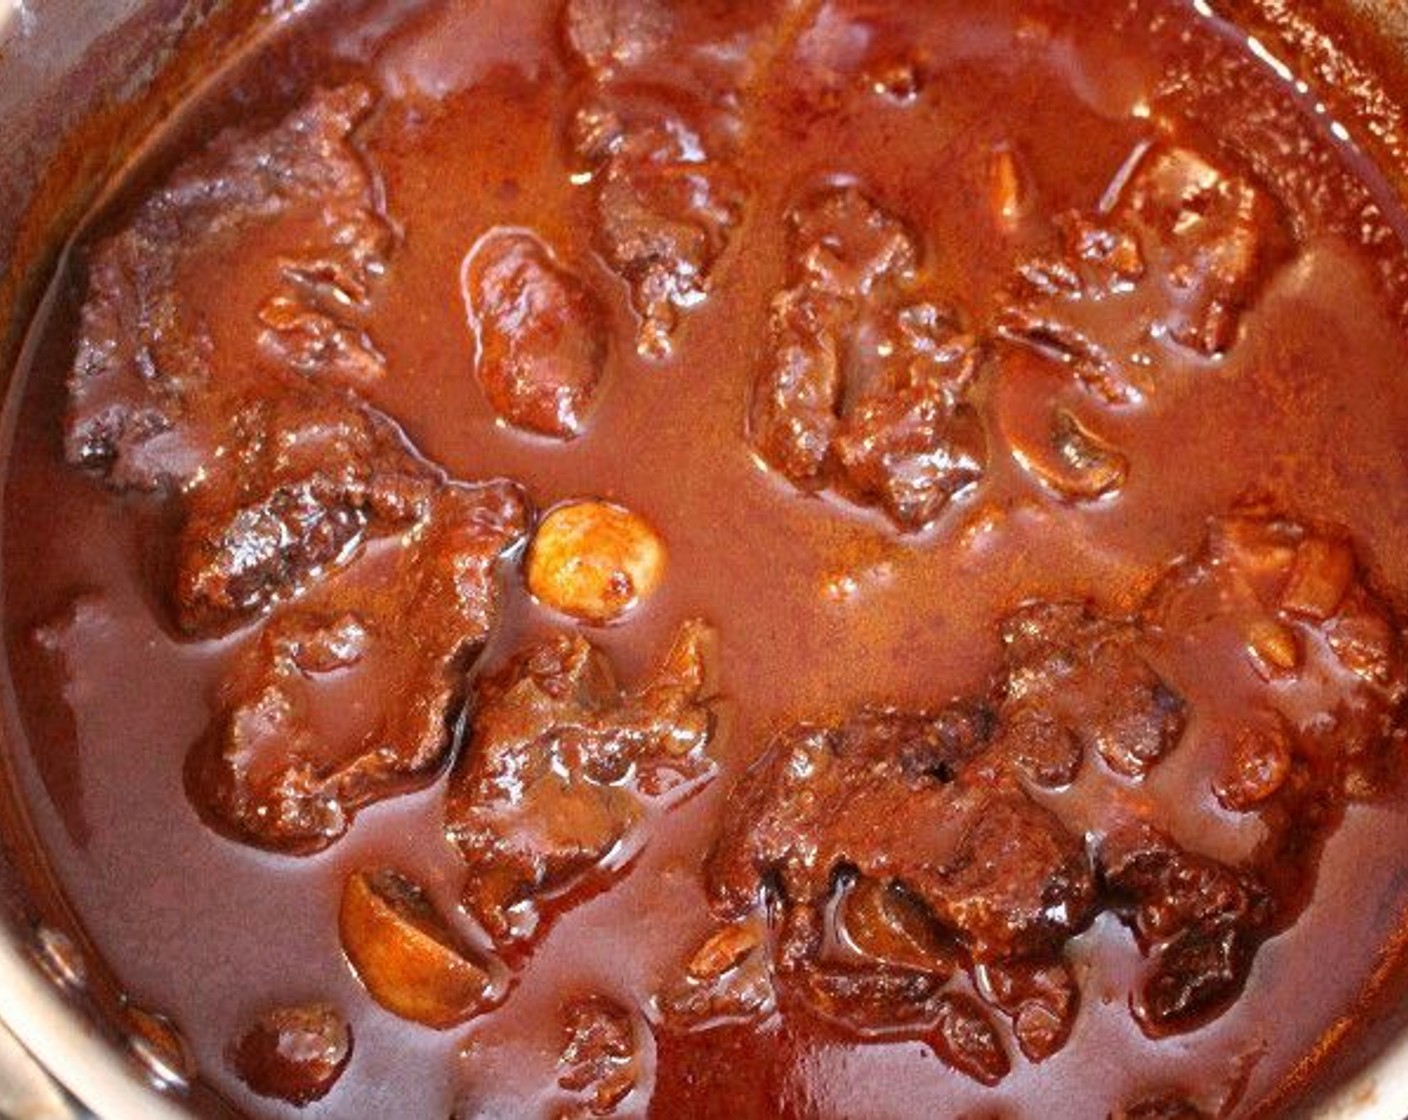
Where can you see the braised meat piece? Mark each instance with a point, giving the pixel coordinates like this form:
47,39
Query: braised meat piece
864,384
949,863
887,795
1199,921
302,479
1179,250
559,767
728,979
541,334
1316,699
146,388
1074,673
599,1059
350,696
666,205
294,1053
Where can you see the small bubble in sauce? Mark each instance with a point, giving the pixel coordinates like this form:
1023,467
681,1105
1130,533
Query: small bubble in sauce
160,1050
60,958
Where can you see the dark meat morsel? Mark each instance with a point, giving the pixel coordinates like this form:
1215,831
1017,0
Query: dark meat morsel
1213,236
302,479
599,1060
1185,244
558,768
277,768
727,980
1199,921
666,206
1324,672
945,862
294,1053
541,334
864,386
1039,998
887,795
146,391
404,951
1086,675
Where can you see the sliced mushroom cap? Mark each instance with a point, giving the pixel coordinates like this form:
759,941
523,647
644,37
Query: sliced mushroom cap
407,955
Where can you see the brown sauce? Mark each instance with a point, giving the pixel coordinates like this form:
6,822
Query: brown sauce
899,326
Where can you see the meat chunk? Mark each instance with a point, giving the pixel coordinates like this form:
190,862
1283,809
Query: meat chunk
863,389
599,1063
1086,675
1180,247
1318,673
1199,921
955,865
659,133
541,337
666,204
899,800
145,392
302,479
294,1053
558,770
350,697
727,980
1211,234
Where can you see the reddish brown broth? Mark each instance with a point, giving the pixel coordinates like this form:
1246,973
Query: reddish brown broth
821,603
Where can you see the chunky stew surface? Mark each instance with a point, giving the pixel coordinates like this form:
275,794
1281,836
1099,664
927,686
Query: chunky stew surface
836,558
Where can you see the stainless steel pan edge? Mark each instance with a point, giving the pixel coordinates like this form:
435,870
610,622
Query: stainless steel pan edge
62,59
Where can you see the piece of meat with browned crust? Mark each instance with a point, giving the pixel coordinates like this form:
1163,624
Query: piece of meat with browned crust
351,695
659,133
841,248
600,1062
864,388
894,1003
541,334
301,479
146,389
558,769
666,205
887,795
1315,701
1086,674
1199,921
1179,249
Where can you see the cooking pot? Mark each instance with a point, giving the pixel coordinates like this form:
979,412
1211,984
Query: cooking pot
81,83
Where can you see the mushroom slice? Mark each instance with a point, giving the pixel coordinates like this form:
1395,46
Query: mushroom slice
407,955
